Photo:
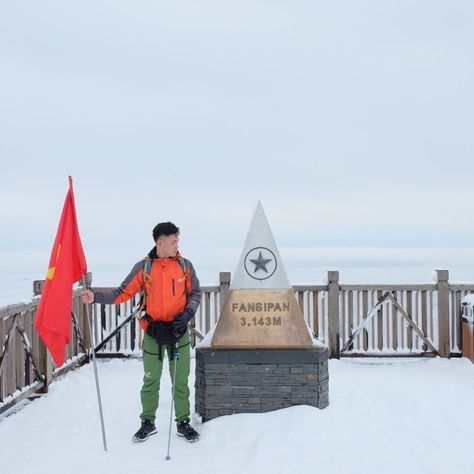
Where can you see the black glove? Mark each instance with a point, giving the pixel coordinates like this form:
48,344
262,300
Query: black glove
181,321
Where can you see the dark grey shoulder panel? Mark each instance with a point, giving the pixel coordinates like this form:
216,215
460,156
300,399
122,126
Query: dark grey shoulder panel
194,298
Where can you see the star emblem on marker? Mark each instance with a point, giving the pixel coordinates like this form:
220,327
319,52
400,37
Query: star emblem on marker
266,262
261,263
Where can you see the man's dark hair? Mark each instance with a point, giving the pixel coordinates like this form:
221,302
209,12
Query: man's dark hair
164,228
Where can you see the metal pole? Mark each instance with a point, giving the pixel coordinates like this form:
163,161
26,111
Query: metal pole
175,358
95,370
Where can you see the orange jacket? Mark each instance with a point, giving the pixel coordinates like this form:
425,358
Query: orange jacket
169,289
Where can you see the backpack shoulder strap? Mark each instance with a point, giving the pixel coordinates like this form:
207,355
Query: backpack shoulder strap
146,281
182,264
146,269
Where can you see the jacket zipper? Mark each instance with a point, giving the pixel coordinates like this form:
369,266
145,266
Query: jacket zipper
172,282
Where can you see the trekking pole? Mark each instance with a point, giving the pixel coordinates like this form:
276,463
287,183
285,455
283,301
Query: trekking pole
117,329
95,370
175,358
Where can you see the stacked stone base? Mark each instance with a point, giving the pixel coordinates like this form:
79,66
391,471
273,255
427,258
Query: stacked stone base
232,381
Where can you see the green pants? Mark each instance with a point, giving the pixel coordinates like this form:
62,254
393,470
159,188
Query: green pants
153,367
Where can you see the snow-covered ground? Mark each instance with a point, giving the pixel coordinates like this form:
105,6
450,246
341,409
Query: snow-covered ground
385,416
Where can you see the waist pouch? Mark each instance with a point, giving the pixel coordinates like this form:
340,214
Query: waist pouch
162,331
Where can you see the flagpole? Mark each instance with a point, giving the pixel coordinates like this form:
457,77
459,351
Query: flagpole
95,369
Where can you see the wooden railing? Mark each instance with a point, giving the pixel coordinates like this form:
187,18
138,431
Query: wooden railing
313,300
370,320
26,367
388,332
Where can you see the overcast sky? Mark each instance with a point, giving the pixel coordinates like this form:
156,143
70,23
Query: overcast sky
352,122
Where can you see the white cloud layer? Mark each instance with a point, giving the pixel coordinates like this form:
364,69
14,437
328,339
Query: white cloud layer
351,121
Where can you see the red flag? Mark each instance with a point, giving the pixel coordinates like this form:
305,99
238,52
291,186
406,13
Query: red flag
66,266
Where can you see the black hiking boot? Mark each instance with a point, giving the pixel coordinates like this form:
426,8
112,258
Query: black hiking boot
187,431
147,429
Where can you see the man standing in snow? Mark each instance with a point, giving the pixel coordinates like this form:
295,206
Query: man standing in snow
171,293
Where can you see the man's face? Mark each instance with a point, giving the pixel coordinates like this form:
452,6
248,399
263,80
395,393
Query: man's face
167,245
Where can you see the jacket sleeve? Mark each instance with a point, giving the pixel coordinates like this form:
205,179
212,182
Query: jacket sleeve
132,284
193,289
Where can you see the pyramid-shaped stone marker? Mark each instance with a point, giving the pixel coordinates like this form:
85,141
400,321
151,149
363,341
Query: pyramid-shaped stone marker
261,310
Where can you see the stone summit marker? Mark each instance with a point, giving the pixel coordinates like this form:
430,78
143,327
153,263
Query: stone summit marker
262,355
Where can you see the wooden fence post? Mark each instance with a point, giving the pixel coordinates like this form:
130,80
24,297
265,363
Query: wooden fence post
44,359
333,314
224,284
38,286
45,366
443,313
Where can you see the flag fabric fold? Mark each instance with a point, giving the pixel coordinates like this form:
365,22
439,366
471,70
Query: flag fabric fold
66,266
